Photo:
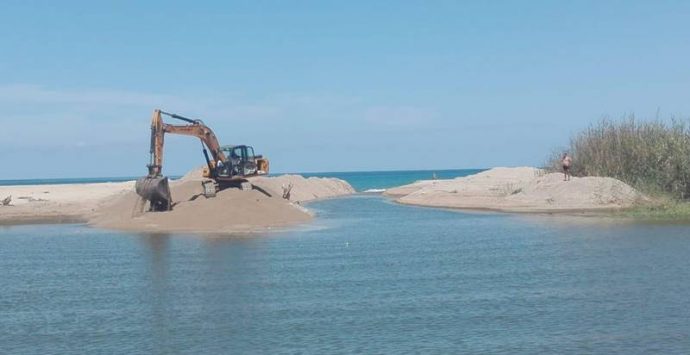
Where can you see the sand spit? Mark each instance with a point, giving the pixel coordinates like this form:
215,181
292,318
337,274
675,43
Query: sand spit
116,206
521,189
57,203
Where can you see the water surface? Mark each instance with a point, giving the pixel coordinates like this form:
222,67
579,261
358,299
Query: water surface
367,276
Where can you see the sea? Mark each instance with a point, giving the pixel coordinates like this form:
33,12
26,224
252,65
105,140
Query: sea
367,276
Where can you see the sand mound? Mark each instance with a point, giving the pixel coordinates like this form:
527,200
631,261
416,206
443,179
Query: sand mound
233,210
521,189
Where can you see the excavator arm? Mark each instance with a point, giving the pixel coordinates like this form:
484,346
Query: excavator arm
194,128
154,187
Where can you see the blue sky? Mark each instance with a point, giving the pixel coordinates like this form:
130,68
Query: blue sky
329,86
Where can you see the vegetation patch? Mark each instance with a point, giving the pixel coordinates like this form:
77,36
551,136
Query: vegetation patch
652,156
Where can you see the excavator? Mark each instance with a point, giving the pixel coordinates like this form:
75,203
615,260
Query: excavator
229,165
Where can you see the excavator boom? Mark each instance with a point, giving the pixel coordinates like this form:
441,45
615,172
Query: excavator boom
194,128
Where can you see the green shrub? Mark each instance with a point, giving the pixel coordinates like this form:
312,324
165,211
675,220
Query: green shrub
652,156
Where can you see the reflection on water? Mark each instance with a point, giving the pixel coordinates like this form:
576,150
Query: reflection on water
157,246
373,277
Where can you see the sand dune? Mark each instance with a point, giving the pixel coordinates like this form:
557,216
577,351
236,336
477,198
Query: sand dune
521,189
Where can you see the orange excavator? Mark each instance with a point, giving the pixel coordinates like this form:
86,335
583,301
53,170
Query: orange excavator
226,166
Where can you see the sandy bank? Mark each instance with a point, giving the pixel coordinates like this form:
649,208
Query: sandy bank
116,206
521,189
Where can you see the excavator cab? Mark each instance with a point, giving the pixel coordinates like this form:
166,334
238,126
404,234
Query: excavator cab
241,161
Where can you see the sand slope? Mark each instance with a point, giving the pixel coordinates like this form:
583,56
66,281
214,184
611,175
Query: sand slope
521,189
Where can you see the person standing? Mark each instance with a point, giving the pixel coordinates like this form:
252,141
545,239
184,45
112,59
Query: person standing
566,162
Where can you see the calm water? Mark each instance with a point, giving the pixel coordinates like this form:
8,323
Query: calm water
368,276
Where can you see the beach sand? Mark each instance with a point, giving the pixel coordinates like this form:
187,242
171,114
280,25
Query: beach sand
57,203
522,189
116,205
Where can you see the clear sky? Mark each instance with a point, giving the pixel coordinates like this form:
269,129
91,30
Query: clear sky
329,85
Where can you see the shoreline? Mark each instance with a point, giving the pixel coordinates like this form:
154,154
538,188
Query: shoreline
85,219
592,212
37,220
520,191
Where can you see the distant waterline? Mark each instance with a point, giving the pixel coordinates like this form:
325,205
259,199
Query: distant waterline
362,181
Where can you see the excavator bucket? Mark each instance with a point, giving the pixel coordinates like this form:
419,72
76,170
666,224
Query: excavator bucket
156,191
